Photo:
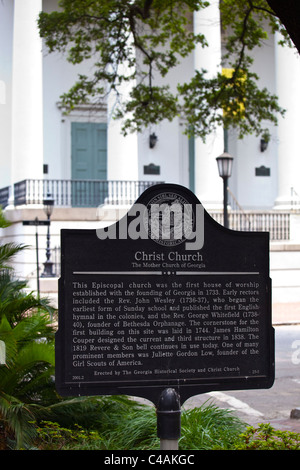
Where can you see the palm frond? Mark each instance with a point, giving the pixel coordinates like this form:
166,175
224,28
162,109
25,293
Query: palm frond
16,303
18,418
7,252
3,221
26,379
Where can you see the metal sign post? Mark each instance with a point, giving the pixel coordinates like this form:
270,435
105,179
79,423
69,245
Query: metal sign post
36,222
169,419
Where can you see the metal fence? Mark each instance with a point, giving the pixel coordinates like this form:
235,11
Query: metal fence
4,196
92,193
275,222
79,193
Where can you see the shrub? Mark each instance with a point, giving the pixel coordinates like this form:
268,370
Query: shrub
265,437
206,427
51,436
209,427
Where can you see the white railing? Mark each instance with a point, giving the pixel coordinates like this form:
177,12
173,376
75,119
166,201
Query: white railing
92,193
295,200
275,222
79,193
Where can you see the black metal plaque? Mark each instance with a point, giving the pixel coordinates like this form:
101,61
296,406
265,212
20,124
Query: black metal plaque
165,297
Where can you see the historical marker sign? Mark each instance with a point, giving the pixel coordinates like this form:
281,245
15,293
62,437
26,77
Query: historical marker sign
166,297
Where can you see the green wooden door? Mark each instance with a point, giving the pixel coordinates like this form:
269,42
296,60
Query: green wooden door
89,163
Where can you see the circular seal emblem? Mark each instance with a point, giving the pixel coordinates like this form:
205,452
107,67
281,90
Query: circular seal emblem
169,219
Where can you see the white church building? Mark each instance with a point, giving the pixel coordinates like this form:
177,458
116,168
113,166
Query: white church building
83,161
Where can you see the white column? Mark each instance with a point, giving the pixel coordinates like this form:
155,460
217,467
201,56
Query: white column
288,133
122,152
208,184
27,105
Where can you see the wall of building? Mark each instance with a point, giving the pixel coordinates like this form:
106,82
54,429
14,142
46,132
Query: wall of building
6,37
256,192
128,156
58,77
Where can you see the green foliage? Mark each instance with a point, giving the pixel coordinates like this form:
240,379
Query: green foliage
51,436
96,423
28,334
3,221
209,427
89,412
26,379
8,250
205,428
33,416
142,39
141,432
265,437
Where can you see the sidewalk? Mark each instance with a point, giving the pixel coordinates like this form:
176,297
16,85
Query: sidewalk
286,314
292,425
282,314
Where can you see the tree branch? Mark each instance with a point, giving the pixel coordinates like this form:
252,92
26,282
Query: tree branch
145,13
265,10
288,11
